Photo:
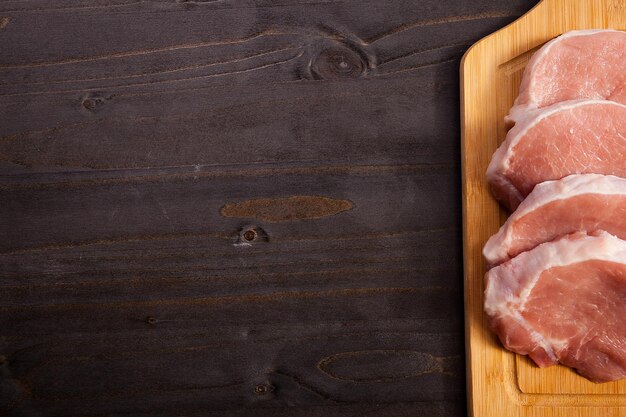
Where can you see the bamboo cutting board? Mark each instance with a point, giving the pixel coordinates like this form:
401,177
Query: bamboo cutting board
501,383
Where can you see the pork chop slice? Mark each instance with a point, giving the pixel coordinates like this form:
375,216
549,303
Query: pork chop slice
564,302
575,203
576,65
572,137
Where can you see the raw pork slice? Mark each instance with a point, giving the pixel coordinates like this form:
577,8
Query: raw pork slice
555,208
564,302
579,64
572,137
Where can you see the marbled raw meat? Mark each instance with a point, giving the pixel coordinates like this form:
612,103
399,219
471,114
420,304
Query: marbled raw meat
564,302
571,137
577,65
575,203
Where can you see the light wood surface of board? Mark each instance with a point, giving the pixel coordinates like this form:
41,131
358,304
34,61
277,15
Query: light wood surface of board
499,382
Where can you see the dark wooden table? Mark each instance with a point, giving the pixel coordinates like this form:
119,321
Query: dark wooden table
233,208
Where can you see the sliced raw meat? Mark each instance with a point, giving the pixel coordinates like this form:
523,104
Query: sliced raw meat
555,208
579,64
564,302
572,137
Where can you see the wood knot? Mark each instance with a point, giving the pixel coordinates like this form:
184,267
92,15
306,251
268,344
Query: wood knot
338,62
263,389
3,360
251,234
93,102
151,320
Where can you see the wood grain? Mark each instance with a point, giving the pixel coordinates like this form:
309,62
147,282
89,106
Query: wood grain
233,208
501,383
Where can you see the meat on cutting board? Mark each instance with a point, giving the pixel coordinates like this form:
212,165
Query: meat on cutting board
575,203
564,302
576,65
572,137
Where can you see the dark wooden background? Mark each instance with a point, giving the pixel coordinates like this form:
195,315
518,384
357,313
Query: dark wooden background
233,208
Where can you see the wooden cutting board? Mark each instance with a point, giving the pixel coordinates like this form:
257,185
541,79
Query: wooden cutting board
499,382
